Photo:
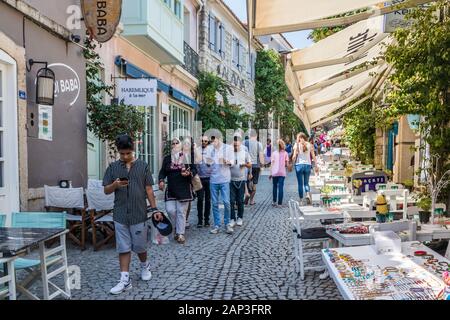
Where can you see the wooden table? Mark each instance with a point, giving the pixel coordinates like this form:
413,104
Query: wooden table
406,276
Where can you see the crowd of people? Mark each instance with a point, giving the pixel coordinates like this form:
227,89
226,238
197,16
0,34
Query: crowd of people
211,174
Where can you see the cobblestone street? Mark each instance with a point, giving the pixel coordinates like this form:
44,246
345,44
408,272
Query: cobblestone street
256,262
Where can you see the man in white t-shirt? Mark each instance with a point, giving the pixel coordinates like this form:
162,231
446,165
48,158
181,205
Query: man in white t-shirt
220,156
241,161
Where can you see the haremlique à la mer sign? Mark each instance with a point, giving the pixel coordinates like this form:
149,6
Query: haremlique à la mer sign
101,17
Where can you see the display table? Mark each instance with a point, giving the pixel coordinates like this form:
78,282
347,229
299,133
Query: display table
320,213
361,274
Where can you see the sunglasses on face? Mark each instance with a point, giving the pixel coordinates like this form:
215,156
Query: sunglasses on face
205,141
175,143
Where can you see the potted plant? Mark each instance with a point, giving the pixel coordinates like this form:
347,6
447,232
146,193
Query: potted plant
424,203
326,191
409,184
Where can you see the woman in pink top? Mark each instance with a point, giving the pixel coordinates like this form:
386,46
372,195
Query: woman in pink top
280,160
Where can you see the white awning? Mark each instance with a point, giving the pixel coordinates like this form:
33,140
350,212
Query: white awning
360,43
277,16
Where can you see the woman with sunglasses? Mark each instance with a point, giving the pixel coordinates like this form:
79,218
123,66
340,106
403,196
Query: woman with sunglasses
179,170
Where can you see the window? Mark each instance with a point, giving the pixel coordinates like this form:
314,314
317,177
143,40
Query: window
238,55
180,118
146,148
168,3
216,36
177,8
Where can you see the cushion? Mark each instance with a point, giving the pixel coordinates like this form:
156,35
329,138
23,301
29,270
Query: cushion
314,233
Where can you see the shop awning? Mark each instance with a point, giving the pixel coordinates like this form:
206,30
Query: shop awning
338,55
278,16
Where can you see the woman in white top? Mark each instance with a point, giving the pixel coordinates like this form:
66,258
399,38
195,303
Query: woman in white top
303,154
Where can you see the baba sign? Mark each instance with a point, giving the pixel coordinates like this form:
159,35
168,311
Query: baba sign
101,18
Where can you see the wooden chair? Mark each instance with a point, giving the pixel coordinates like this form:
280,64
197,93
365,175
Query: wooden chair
72,200
100,208
54,259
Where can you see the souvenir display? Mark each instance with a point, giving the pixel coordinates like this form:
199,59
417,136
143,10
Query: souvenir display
374,279
350,228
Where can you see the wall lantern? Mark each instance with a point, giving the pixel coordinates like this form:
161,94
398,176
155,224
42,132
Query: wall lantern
45,84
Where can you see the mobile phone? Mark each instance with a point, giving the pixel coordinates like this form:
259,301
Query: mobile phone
123,179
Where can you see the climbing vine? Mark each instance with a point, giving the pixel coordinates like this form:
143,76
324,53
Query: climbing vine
107,121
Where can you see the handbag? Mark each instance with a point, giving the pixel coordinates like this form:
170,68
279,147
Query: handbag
196,183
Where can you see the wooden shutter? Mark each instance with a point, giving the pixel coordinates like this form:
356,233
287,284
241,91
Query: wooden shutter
222,41
212,32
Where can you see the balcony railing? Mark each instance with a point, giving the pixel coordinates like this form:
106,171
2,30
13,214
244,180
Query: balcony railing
190,60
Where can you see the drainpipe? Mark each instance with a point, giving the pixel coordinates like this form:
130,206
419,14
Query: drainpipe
198,26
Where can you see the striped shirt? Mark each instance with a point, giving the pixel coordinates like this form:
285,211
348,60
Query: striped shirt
130,203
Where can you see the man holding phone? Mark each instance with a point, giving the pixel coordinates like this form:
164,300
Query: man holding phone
131,181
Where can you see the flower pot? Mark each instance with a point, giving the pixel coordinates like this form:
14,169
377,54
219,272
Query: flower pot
424,216
381,218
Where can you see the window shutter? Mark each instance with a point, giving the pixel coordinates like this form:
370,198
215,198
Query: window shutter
222,41
233,51
212,32
253,64
241,58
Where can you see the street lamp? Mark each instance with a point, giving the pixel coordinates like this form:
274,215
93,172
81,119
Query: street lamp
45,84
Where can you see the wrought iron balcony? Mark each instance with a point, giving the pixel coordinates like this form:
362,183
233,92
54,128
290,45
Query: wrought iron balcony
190,60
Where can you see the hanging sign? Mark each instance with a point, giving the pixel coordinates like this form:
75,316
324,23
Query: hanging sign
45,122
101,18
138,92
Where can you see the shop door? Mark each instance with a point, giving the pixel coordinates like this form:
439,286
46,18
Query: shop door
9,172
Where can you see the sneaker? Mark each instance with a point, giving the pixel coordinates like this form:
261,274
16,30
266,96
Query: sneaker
121,287
239,222
207,224
230,229
200,225
146,274
232,223
215,230
181,239
324,275
274,204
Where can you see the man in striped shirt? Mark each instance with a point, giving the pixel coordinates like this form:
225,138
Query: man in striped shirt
131,181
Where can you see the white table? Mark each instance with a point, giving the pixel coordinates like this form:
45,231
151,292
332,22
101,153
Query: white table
400,284
319,213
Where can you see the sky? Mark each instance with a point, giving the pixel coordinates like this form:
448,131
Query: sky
298,39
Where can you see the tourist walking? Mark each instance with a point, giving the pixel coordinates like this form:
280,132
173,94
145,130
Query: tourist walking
220,157
203,195
289,147
268,153
280,161
179,170
303,153
131,181
238,180
256,151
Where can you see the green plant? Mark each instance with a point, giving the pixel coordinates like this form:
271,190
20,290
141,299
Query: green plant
424,203
408,183
107,121
215,115
327,190
359,132
421,60
272,95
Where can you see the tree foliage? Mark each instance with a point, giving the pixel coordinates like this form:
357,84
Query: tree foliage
359,128
214,114
272,95
107,121
420,57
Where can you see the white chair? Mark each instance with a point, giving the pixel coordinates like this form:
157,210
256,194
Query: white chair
394,197
397,227
360,214
95,184
69,199
100,208
304,236
394,186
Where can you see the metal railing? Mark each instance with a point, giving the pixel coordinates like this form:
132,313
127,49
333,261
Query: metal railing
190,60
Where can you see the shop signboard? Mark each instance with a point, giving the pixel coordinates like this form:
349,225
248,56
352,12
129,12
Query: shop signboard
101,18
138,92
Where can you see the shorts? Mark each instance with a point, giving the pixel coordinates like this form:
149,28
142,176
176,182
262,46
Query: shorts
131,238
255,174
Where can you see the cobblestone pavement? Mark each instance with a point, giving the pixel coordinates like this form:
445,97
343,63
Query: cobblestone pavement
256,262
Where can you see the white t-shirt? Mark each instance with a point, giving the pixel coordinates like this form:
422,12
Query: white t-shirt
303,157
220,173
